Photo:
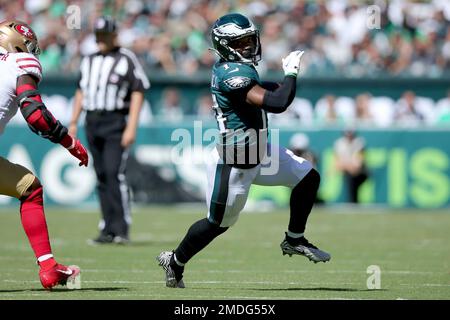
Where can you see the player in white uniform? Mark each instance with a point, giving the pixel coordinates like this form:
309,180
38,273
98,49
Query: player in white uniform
20,74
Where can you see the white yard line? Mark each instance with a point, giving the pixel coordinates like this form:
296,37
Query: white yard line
229,282
151,296
87,270
193,281
425,285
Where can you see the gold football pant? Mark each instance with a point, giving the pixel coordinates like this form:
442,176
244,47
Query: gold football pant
14,179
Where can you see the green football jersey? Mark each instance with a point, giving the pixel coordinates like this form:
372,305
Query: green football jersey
243,127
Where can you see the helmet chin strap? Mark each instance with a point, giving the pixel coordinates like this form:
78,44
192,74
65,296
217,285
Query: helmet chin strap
216,52
245,60
242,59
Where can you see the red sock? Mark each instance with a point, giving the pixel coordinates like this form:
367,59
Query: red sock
34,224
47,264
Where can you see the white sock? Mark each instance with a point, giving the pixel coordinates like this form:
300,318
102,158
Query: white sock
176,261
45,257
294,235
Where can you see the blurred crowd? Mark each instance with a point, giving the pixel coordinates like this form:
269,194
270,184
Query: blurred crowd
366,110
173,35
361,111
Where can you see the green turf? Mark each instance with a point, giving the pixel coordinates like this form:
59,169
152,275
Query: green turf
411,248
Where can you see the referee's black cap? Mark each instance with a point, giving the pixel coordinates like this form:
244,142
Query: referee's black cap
105,25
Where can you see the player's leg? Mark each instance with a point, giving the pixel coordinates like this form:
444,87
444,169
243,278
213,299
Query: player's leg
299,175
199,235
227,192
18,182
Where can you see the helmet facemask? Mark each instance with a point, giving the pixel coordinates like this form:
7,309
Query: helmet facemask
33,48
247,47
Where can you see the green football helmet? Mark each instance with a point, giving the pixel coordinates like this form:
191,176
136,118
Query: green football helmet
235,39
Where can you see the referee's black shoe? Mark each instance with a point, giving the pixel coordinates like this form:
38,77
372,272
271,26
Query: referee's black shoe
123,240
102,239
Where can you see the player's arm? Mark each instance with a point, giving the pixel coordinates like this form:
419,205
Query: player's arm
41,121
277,99
271,86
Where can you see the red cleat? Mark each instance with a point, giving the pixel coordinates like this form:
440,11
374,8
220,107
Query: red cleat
61,275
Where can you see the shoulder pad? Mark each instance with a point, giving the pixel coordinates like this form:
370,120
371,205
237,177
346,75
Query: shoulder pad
28,64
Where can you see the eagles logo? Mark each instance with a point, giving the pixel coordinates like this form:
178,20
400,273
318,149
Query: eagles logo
237,82
25,31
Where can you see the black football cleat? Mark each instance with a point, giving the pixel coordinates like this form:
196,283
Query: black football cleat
304,248
171,275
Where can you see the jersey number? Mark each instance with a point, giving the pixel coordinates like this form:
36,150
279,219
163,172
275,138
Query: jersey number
221,120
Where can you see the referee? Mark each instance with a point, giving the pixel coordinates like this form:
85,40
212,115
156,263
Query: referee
111,92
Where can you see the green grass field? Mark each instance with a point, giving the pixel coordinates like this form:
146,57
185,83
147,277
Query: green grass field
411,248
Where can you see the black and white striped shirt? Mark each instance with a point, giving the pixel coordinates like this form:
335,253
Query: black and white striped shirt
107,80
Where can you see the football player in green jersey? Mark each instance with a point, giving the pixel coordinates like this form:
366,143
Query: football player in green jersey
243,155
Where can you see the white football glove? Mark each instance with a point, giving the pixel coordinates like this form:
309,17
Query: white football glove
291,64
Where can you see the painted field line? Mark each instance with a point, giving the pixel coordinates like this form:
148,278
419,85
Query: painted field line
309,284
191,281
216,297
425,285
170,297
149,270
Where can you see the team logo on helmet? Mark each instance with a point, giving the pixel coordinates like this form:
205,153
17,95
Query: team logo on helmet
25,31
